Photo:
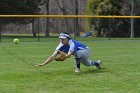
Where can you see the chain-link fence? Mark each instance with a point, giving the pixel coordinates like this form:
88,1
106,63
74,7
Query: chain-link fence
41,28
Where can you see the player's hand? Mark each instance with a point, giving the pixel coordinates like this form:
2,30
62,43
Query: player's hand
40,65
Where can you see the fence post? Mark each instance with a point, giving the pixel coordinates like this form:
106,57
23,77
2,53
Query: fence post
0,32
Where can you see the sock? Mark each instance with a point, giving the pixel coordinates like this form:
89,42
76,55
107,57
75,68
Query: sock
78,66
95,63
78,62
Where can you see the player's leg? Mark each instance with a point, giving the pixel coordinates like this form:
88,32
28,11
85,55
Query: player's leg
96,63
82,56
78,61
85,59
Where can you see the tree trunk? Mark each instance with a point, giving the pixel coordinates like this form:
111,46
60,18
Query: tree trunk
47,19
77,33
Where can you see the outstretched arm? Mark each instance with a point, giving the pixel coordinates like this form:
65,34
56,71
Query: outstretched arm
50,59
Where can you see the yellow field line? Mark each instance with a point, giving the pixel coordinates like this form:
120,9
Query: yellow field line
65,16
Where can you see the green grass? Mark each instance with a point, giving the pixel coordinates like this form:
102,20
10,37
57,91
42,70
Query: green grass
119,73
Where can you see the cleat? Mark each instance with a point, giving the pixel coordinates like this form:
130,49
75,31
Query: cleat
99,64
77,70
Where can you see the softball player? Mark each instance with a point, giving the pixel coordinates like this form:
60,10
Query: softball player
73,47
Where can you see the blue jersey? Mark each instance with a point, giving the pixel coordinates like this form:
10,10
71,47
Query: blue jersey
73,45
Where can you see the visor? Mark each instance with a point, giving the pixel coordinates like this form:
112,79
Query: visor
64,36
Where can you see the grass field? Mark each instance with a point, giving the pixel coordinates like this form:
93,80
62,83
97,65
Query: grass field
119,73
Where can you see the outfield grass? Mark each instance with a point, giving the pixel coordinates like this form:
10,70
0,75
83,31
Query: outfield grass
119,73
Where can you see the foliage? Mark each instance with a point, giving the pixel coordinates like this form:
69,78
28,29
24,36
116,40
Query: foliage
20,7
113,27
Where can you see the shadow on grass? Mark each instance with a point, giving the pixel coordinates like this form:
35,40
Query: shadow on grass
71,72
102,70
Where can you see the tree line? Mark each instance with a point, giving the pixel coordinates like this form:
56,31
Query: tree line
109,27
